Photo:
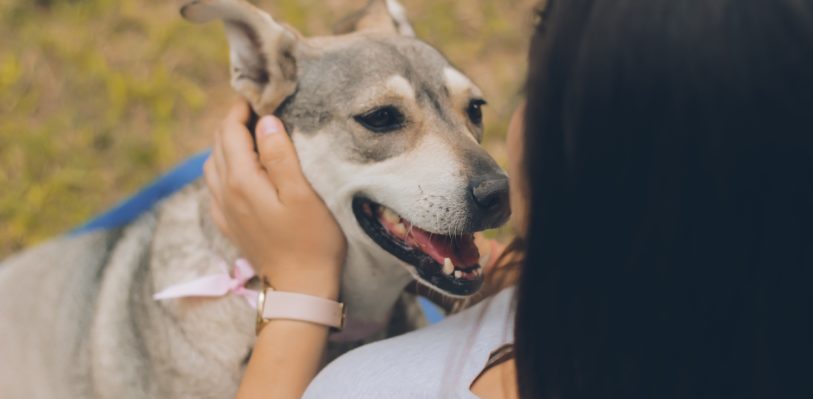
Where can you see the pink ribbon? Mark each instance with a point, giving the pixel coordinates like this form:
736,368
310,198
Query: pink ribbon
222,284
216,285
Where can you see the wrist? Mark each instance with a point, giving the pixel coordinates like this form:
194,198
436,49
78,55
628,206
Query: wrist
319,284
318,290
310,307
273,327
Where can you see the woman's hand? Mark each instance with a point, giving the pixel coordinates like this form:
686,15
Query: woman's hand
266,207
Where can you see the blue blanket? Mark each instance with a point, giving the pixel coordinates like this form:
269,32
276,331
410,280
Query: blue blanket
133,207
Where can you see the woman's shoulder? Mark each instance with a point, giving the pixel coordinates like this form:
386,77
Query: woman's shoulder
441,360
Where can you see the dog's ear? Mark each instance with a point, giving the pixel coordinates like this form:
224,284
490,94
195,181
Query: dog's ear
386,16
263,63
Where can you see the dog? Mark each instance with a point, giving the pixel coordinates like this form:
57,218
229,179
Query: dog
387,131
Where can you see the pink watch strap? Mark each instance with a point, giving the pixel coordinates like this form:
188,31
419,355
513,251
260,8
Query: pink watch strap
293,306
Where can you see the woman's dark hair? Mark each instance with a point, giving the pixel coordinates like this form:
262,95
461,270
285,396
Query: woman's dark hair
669,150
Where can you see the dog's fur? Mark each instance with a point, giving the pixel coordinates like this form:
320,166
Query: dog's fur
77,318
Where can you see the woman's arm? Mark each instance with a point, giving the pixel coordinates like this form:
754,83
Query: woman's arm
267,208
286,357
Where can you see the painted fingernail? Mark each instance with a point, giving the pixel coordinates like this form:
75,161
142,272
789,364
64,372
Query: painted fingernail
269,125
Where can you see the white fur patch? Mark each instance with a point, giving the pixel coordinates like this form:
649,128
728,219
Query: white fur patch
424,185
398,13
401,87
456,82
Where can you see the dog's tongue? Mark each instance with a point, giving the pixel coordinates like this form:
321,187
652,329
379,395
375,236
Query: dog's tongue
461,250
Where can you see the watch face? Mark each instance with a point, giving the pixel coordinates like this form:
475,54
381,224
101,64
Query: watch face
260,305
344,317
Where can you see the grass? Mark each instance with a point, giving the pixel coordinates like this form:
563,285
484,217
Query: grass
97,97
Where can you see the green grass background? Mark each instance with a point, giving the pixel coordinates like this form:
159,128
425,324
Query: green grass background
98,97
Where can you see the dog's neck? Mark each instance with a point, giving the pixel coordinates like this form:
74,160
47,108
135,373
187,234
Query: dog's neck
369,307
372,304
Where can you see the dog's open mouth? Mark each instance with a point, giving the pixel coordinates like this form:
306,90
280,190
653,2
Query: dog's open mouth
450,264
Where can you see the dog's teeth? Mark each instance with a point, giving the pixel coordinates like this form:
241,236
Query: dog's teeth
478,272
399,230
448,266
390,216
458,274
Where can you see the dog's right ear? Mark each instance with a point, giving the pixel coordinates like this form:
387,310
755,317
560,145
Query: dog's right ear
385,16
263,63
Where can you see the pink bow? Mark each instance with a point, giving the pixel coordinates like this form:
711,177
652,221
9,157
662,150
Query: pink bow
216,285
222,284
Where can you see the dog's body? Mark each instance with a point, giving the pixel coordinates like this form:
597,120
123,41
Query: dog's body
77,315
79,320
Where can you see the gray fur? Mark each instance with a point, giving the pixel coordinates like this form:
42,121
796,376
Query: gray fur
79,320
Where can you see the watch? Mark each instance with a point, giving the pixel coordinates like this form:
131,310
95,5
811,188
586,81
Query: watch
275,305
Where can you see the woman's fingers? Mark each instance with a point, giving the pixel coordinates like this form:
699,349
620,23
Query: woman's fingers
215,184
238,147
239,169
213,180
235,141
238,114
218,158
235,120
220,219
235,137
278,157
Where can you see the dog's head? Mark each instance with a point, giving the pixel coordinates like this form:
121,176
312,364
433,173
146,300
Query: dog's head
387,131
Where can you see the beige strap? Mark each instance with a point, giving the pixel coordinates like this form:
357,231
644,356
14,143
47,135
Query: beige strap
293,306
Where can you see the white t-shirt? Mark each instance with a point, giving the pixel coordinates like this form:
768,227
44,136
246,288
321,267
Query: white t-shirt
439,361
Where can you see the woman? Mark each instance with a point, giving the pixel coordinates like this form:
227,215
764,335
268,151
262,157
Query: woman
663,184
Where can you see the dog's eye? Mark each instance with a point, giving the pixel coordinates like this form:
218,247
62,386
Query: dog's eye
475,111
382,120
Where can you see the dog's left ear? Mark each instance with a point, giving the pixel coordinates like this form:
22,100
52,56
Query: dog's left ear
263,52
385,16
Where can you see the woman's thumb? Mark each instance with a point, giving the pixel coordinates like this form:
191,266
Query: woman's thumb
277,154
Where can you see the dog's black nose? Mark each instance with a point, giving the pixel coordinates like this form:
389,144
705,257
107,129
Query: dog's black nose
490,194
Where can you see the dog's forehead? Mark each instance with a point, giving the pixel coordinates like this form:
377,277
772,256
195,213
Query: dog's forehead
360,63
340,78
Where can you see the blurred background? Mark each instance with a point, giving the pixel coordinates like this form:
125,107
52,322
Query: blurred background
99,97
